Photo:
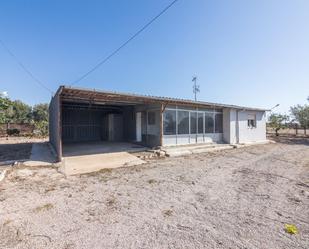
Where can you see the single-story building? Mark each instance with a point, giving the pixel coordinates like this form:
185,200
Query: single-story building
81,115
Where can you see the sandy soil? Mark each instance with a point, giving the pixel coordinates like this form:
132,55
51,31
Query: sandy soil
240,198
16,148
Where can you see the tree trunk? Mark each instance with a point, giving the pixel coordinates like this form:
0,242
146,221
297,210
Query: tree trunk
277,134
7,130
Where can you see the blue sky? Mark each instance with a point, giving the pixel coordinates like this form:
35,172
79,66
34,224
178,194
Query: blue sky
252,53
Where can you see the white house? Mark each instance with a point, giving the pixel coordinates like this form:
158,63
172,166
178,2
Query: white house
80,115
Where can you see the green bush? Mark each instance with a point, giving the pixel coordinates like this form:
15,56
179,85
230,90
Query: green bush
41,128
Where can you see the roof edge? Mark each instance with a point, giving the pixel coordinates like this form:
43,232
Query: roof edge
163,99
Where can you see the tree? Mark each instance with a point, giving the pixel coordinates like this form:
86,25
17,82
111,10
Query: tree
40,117
301,115
277,121
40,112
5,108
21,112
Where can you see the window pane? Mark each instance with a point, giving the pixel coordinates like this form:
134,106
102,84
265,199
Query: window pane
200,123
209,123
193,119
219,123
183,122
169,122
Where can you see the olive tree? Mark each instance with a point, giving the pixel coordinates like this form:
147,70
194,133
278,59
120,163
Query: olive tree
277,122
301,115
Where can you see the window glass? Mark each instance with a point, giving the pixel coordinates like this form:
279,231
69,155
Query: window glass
169,122
193,120
183,122
209,122
219,123
200,123
151,118
251,120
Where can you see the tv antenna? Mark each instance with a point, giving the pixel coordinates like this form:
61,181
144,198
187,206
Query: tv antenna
196,88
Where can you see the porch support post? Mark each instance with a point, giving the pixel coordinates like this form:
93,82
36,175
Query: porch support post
161,123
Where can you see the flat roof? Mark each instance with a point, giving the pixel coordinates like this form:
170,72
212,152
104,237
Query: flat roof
69,93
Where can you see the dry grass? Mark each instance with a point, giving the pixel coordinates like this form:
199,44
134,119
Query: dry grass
6,222
50,188
44,207
167,212
111,201
151,181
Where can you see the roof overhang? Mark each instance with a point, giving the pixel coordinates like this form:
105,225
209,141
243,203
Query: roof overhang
94,96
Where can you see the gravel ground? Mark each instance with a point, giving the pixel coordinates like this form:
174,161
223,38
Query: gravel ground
239,198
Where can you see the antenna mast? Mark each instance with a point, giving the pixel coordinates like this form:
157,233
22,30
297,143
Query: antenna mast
196,88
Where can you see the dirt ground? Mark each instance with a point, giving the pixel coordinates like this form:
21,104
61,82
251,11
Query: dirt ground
16,148
239,198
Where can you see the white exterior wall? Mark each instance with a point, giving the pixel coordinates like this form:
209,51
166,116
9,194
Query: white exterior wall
255,134
229,126
236,130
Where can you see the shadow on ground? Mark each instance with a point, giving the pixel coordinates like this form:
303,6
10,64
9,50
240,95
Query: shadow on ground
15,151
290,139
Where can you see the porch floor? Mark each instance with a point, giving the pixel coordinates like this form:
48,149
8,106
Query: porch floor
86,157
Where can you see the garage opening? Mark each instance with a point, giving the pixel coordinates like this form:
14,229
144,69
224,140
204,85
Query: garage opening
93,122
93,128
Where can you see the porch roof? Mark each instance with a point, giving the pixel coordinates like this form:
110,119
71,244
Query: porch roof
76,94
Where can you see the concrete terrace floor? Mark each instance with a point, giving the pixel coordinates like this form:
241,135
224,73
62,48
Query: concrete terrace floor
86,157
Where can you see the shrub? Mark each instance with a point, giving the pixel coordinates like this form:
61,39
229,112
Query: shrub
41,128
13,132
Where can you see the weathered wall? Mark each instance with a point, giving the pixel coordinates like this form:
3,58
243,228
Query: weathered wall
150,132
129,129
81,125
55,126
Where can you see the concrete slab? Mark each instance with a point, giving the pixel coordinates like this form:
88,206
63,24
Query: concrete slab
73,165
89,148
81,158
241,145
194,149
41,155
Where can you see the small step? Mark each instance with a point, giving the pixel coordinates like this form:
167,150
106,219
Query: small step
187,150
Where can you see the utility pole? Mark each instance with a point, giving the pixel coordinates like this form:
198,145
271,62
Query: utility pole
196,88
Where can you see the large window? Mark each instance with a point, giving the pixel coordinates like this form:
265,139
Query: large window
200,123
218,123
193,120
209,122
169,122
183,122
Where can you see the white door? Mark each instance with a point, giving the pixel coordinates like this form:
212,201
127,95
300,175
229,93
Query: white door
138,126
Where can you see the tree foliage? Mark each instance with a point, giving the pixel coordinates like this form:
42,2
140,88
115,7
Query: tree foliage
40,112
19,112
301,115
277,121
